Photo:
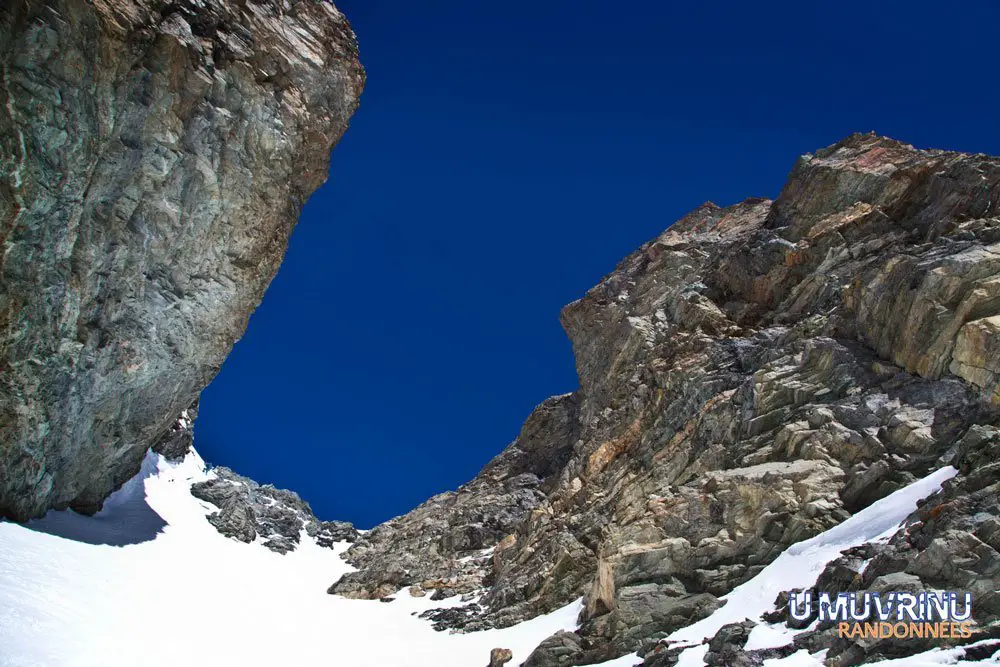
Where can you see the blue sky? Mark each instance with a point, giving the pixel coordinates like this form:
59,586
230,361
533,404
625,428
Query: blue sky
504,158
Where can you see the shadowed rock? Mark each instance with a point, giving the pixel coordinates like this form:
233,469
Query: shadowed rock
153,161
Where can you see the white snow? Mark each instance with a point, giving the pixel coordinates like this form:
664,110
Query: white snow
773,635
932,658
481,554
799,567
693,657
148,582
937,656
801,658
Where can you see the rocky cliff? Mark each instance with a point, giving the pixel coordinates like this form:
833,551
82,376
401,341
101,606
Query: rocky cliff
248,511
154,157
748,379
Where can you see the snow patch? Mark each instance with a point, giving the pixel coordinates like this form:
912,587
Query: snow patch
931,658
148,581
773,635
798,567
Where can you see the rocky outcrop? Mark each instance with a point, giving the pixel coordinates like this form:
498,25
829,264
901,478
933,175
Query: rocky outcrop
748,379
500,657
562,648
445,546
154,157
951,543
248,511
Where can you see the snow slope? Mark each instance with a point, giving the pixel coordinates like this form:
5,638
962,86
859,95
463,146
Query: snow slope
149,582
799,567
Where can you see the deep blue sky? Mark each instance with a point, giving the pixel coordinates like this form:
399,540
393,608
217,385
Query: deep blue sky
504,158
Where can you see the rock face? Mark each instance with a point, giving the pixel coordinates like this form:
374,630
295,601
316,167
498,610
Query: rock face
154,157
248,511
748,379
950,543
446,544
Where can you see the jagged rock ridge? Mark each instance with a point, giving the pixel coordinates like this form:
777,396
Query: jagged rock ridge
154,157
748,379
248,510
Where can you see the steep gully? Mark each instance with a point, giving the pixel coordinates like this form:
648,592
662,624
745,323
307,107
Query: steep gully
748,379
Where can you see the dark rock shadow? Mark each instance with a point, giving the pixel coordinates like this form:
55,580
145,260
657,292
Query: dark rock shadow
125,519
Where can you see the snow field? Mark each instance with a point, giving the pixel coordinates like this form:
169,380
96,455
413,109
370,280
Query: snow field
186,595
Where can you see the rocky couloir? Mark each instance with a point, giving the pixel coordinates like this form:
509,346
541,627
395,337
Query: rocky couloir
154,157
748,379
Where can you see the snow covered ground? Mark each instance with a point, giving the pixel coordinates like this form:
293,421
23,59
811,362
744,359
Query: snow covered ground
149,582
799,567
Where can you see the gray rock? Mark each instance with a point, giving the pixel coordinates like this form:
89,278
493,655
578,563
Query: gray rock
562,648
235,519
154,157
725,649
941,548
443,544
451,618
500,657
662,656
749,378
177,441
731,636
248,510
327,532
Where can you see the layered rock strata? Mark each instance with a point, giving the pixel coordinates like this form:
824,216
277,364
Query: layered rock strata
748,379
154,157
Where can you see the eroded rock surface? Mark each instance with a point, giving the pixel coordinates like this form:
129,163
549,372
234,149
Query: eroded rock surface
748,379
154,157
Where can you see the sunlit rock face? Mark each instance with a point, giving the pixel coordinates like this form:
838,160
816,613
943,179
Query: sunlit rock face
748,379
154,160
